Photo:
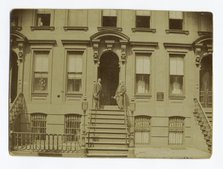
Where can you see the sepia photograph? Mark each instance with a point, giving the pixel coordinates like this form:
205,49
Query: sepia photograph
111,83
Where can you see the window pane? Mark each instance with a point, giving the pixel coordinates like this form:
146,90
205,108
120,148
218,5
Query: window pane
176,24
142,83
43,20
110,21
176,85
142,21
40,82
74,85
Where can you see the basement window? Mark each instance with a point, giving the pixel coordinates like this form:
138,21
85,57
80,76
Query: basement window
176,130
142,129
72,127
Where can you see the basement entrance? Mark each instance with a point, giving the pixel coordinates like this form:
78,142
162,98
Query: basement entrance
108,71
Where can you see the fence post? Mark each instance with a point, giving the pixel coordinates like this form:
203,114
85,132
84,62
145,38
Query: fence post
83,136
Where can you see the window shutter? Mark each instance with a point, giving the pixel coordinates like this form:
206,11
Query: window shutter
175,15
41,62
142,65
74,63
143,13
109,12
176,66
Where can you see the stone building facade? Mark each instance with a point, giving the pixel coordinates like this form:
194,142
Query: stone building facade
164,59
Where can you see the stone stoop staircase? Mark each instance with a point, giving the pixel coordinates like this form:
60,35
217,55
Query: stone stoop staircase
204,119
107,133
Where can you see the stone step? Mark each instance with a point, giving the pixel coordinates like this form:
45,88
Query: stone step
107,134
104,125
100,131
102,155
108,149
98,144
120,127
110,117
108,114
104,139
107,120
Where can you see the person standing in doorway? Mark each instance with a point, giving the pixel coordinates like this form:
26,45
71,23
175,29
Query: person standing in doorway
120,95
97,93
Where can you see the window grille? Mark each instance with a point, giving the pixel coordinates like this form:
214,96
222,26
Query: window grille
38,125
72,127
176,130
142,129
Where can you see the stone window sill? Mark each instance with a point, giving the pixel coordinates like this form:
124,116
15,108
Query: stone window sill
143,96
51,28
177,97
177,31
143,30
75,28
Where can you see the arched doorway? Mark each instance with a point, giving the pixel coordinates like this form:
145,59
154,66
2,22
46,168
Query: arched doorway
13,76
206,81
108,71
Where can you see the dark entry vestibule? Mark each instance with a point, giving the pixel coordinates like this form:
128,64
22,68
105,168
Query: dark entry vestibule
108,71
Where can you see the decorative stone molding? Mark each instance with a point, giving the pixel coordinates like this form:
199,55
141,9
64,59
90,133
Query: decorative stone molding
107,40
18,43
202,47
123,53
95,55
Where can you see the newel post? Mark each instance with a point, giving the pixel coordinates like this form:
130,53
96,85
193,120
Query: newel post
132,129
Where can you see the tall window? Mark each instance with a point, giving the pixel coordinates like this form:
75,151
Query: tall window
142,129
74,72
72,127
176,75
142,73
176,130
109,18
143,19
176,20
38,124
40,71
43,17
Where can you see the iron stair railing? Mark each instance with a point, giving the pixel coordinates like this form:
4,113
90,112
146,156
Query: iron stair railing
204,123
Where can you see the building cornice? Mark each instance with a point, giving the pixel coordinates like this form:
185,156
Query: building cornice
42,42
145,44
187,46
75,42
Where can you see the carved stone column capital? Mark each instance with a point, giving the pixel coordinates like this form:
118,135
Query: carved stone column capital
95,49
123,53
